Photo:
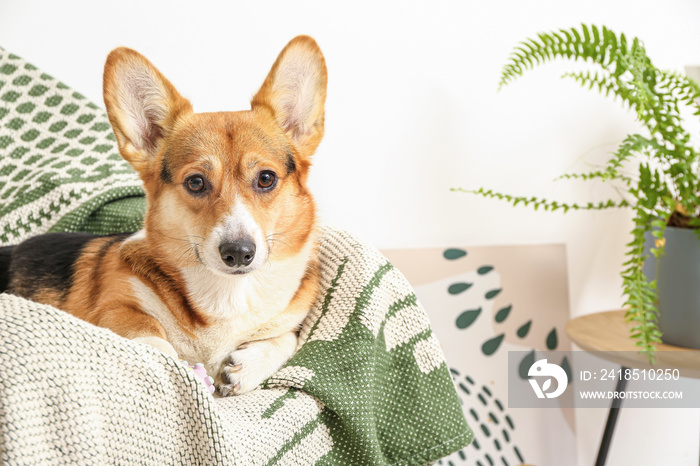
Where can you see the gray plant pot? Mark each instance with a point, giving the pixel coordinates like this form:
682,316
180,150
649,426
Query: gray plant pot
678,286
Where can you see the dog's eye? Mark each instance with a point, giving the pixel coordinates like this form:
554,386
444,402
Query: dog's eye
266,180
195,184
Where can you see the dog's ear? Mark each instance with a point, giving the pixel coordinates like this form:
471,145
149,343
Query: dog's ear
141,104
295,92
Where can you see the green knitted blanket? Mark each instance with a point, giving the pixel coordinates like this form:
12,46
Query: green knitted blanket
60,169
367,385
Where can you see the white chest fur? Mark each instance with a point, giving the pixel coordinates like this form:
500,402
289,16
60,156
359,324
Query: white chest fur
236,305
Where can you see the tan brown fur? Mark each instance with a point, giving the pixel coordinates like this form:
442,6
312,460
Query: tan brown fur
98,292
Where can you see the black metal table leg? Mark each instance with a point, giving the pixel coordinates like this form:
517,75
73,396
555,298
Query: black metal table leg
614,412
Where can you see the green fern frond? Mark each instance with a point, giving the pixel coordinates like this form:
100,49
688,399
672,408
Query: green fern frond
630,147
591,44
545,204
640,290
626,71
683,88
601,175
589,79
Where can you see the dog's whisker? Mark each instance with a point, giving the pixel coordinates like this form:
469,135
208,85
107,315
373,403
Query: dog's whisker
278,238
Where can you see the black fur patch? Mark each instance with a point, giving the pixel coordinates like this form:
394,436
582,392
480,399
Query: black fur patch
165,174
5,255
290,164
46,262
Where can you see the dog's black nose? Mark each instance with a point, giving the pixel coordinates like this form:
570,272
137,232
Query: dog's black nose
237,253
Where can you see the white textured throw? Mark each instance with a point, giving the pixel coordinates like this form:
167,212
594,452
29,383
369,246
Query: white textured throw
368,385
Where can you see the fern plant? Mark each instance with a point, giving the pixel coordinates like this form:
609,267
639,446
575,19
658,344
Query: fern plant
664,187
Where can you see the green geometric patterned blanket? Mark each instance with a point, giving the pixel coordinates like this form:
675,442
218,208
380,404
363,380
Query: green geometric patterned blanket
367,385
60,169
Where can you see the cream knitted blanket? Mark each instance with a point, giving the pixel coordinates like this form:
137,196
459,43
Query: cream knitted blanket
368,385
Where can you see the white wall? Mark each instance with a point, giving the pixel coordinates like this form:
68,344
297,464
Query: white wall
413,110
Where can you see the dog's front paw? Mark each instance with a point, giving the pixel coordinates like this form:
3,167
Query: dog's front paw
251,363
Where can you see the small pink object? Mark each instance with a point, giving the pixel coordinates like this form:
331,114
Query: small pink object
201,373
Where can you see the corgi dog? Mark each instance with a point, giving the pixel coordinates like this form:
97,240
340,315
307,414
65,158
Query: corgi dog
225,268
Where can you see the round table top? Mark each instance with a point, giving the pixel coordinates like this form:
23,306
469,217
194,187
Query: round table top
608,335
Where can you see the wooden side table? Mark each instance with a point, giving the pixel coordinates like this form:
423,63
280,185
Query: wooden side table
608,335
